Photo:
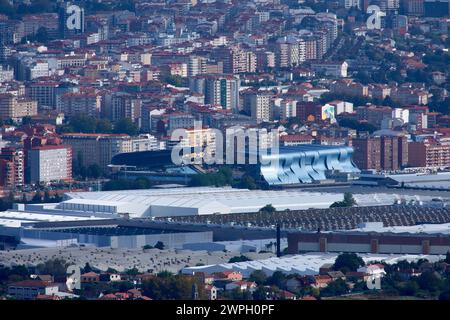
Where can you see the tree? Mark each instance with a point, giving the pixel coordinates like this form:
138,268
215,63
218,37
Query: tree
165,274
126,126
177,287
175,80
248,182
445,295
26,120
258,276
94,171
348,201
277,279
430,281
122,184
47,197
389,102
222,177
260,293
55,267
6,8
142,183
348,262
87,268
447,257
159,245
240,258
409,289
42,35
335,288
5,204
83,123
37,198
268,208
132,272
111,270
103,126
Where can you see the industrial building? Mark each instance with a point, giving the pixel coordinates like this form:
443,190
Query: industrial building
173,202
415,180
420,239
301,264
37,230
197,201
111,234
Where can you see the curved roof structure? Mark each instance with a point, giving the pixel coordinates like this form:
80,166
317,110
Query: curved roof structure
306,164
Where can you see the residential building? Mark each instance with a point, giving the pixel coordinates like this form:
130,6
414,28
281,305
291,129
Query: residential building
12,107
381,152
260,107
97,148
288,109
333,69
30,289
50,163
90,277
220,90
429,153
12,167
86,103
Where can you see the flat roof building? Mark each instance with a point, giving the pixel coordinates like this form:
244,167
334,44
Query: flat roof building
423,239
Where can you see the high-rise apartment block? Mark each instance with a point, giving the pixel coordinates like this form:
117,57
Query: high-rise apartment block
386,152
50,163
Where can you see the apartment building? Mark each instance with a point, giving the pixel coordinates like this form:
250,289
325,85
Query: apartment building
333,69
11,167
87,103
350,88
429,153
13,107
93,148
44,92
384,152
260,106
288,109
50,163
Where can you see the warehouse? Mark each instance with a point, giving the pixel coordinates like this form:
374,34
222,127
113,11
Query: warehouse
210,200
112,233
192,201
301,264
421,239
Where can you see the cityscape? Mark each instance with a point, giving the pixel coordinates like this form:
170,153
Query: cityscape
229,150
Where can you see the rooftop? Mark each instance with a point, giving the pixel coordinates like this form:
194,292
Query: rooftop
304,264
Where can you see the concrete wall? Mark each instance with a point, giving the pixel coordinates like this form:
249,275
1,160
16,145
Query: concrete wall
170,240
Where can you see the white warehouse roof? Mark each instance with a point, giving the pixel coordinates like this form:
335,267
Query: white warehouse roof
15,219
304,264
210,200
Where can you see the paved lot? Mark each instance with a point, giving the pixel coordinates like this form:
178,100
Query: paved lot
122,259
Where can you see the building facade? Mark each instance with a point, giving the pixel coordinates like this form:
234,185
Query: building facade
50,163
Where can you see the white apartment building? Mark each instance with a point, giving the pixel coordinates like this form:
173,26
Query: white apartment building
288,109
145,142
334,69
50,163
402,114
260,107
